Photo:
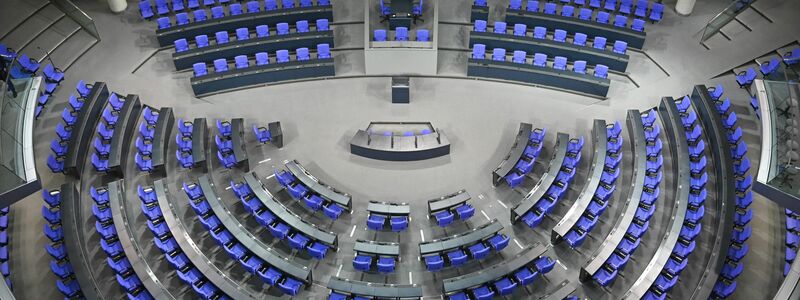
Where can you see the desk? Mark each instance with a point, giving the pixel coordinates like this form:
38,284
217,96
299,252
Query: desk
463,240
401,13
635,39
523,259
514,155
84,129
121,139
273,72
378,290
547,179
199,142
313,184
237,140
161,140
565,80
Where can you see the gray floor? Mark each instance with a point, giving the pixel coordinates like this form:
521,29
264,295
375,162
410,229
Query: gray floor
319,117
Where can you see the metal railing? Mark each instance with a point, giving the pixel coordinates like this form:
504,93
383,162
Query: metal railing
79,16
724,17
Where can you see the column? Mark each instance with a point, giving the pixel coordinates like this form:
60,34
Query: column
117,6
684,7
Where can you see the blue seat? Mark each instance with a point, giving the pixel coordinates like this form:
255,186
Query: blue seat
500,27
434,263
161,7
620,20
241,62
601,71
265,218
499,54
100,147
333,211
262,58
482,293
769,67
224,128
53,198
480,3
617,260
656,12
379,35
401,34
560,63
199,69
610,5
298,241
423,35
444,218
620,47
568,11
605,277
62,269
235,9
479,51
684,248
164,23
399,223
199,15
602,17
498,242
560,36
100,165
625,7
362,262
520,29
579,39
525,276
792,57
181,45
222,37
638,25
69,288
599,43
478,251
58,147
540,60
317,250
142,162
282,56
262,31
456,257
456,296
515,4
550,8
287,3
505,286
480,26
539,32
220,65
290,286
52,216
68,117
675,265
150,115
217,12
322,25
641,8
253,7
270,5
376,222
145,10
301,26
585,14
302,54
386,264
297,191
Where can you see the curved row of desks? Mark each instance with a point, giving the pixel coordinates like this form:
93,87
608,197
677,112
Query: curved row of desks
638,147
254,75
185,59
634,38
190,248
614,61
373,248
161,139
230,23
514,155
377,290
389,209
487,275
84,129
600,142
292,220
131,247
448,201
314,184
400,147
547,179
74,241
123,133
724,183
541,76
471,237
200,143
679,150
248,240
237,144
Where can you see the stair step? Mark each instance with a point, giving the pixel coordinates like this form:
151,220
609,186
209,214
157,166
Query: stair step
51,38
10,19
32,27
65,55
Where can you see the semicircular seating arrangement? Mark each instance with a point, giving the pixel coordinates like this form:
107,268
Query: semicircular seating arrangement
608,187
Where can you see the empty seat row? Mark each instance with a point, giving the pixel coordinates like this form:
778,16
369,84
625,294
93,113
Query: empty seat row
112,246
559,35
262,59
528,159
379,222
539,60
457,257
261,31
69,116
743,181
506,285
60,265
184,141
645,209
312,200
401,34
234,247
173,253
560,186
267,219
624,8
383,264
145,142
605,189
217,11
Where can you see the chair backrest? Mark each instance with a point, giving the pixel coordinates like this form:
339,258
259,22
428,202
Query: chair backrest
499,54
560,62
579,66
539,59
520,29
236,9
515,4
479,51
302,54
620,47
253,6
322,25
550,8
323,51
199,15
585,14
500,27
423,35
539,32
519,56
601,71
201,40
164,22
282,56
638,25
220,65
620,21
380,35
602,17
480,25
180,45
241,61
302,26
217,12
560,35
270,4
262,58
222,37
283,28
579,39
199,69
401,34
242,34
599,42
262,31
532,5
568,11
182,18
